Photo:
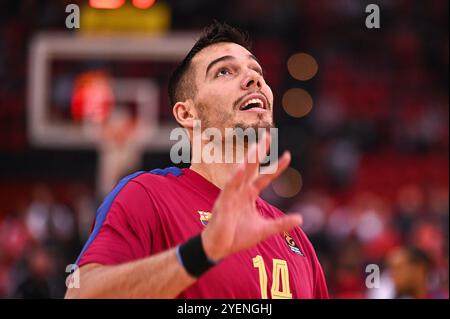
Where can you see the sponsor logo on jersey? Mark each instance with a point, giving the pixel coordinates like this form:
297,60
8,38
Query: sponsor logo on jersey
291,244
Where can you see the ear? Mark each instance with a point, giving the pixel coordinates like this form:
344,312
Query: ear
185,113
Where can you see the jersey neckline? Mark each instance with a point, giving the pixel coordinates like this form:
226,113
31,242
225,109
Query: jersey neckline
201,181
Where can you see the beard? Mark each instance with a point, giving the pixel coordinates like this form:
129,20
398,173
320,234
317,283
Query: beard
239,127
260,123
213,118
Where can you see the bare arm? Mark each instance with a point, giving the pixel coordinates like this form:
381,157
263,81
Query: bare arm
158,276
235,225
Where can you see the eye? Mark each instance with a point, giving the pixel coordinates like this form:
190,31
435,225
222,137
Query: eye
222,72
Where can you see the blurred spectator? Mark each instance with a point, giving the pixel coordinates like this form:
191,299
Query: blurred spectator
14,238
410,269
348,280
48,220
36,244
119,150
36,279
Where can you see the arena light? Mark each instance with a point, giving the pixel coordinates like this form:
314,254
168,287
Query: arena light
143,4
106,4
92,97
129,18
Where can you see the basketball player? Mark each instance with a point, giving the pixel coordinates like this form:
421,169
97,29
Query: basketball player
203,232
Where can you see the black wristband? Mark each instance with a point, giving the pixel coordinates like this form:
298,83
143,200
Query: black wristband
193,258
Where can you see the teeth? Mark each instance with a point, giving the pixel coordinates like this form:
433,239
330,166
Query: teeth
254,101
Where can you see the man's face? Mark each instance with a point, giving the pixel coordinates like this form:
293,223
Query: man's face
400,270
231,91
405,275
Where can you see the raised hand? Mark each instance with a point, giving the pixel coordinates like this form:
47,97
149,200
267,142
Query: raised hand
236,223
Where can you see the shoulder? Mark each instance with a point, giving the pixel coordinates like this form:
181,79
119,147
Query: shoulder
269,210
158,176
137,194
297,232
143,185
154,179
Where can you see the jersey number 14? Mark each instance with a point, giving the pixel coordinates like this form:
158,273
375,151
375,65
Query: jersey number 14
280,275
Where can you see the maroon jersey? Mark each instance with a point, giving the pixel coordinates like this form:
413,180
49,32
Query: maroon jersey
150,212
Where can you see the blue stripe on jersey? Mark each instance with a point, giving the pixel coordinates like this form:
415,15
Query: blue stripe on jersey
104,208
175,171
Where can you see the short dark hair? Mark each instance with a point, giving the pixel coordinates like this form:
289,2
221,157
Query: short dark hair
419,257
181,83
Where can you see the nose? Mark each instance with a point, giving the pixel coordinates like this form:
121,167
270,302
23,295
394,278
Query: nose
252,80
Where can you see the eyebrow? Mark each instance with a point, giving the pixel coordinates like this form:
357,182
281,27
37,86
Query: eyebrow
224,58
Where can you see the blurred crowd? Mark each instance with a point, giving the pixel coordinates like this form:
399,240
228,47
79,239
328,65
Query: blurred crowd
39,240
372,153
370,230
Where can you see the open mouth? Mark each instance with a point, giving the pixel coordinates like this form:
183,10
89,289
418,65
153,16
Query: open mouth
255,103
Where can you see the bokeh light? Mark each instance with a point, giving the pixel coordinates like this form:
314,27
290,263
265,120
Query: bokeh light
288,184
106,4
143,4
297,102
302,66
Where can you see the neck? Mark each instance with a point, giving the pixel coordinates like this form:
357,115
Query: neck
219,170
216,173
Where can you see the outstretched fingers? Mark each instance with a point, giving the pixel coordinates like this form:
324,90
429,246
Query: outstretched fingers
264,180
247,172
281,224
256,152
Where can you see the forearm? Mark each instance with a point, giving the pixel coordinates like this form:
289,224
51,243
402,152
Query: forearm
159,276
